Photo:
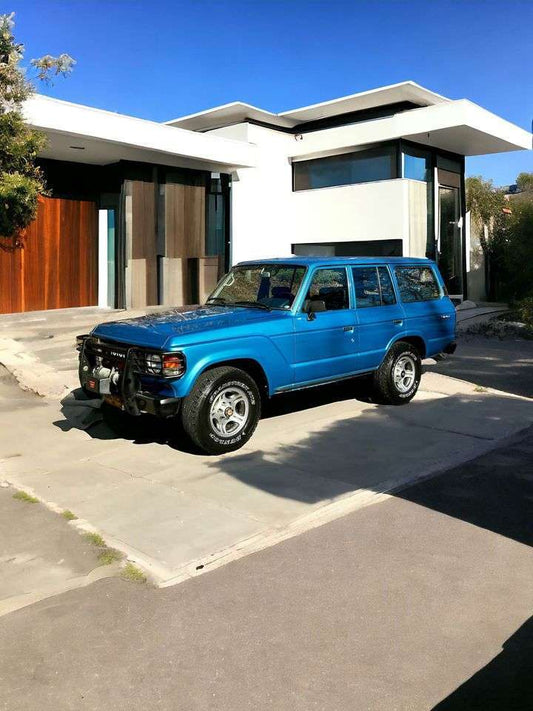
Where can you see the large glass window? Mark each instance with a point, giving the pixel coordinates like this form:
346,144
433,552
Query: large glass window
373,287
417,284
417,163
379,163
271,286
331,287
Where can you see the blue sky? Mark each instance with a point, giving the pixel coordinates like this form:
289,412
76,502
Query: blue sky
164,59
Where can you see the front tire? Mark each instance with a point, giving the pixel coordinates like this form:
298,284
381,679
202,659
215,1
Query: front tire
397,379
221,412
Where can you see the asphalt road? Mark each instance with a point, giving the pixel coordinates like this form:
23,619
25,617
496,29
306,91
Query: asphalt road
420,602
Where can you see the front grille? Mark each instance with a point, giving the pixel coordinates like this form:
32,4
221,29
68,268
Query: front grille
106,353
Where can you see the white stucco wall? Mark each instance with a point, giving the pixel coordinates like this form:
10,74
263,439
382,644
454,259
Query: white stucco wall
268,217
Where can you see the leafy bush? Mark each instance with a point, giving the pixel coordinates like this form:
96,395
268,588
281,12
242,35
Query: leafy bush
524,309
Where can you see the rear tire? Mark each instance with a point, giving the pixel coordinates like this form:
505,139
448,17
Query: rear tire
221,412
397,379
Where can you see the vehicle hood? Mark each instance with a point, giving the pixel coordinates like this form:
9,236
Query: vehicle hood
184,324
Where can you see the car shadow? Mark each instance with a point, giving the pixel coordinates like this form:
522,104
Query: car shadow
80,411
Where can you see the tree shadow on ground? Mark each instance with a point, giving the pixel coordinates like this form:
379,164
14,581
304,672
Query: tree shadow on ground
504,684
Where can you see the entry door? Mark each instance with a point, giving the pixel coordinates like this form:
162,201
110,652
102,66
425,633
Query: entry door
450,241
325,340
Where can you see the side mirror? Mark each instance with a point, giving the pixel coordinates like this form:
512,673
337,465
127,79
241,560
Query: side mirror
314,307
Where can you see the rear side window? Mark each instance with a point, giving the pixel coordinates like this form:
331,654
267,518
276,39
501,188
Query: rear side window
373,287
417,284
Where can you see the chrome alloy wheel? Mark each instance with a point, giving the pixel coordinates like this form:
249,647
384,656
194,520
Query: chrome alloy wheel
229,411
404,373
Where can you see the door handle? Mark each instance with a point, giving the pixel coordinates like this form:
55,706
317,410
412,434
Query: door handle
348,329
398,322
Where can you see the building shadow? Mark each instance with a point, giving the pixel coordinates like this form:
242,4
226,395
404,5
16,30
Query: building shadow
504,684
505,365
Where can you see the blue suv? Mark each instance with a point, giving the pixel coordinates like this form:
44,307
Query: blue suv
269,327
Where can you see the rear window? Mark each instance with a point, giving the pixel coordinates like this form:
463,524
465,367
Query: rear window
417,284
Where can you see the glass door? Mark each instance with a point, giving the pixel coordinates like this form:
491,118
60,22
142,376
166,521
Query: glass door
450,257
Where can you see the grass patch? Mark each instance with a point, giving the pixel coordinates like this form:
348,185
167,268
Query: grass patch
133,574
480,389
95,539
23,496
68,515
108,556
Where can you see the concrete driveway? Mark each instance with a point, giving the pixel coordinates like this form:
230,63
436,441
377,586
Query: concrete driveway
314,458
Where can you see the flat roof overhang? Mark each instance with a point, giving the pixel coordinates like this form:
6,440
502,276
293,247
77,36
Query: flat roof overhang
103,137
455,126
240,111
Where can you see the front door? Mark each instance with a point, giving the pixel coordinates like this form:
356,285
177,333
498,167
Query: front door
450,259
324,343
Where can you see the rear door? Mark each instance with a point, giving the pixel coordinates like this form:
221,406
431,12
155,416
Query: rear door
428,309
379,316
324,343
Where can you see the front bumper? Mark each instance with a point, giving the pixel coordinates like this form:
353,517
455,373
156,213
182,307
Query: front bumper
121,385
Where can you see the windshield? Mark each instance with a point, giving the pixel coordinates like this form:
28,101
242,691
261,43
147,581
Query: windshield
272,286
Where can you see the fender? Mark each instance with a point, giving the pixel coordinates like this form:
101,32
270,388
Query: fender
260,349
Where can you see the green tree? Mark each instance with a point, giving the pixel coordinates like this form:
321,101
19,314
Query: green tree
21,180
486,205
517,281
525,181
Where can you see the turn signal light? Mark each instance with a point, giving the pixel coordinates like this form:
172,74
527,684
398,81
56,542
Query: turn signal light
173,364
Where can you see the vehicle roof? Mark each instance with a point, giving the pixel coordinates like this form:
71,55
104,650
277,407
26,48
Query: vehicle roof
312,261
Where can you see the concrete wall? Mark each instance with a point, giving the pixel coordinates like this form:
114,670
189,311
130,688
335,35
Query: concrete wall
475,262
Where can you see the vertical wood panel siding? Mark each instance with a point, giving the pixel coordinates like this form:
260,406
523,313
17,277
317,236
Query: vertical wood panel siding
185,230
57,267
144,234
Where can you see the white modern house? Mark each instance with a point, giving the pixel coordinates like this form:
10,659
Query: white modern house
380,172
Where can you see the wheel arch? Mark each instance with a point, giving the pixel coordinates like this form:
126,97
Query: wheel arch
250,366
416,341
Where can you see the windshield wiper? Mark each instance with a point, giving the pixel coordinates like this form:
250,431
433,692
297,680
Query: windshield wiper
252,304
217,300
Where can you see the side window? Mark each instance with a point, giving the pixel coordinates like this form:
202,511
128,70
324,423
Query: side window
331,287
417,284
373,287
366,284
